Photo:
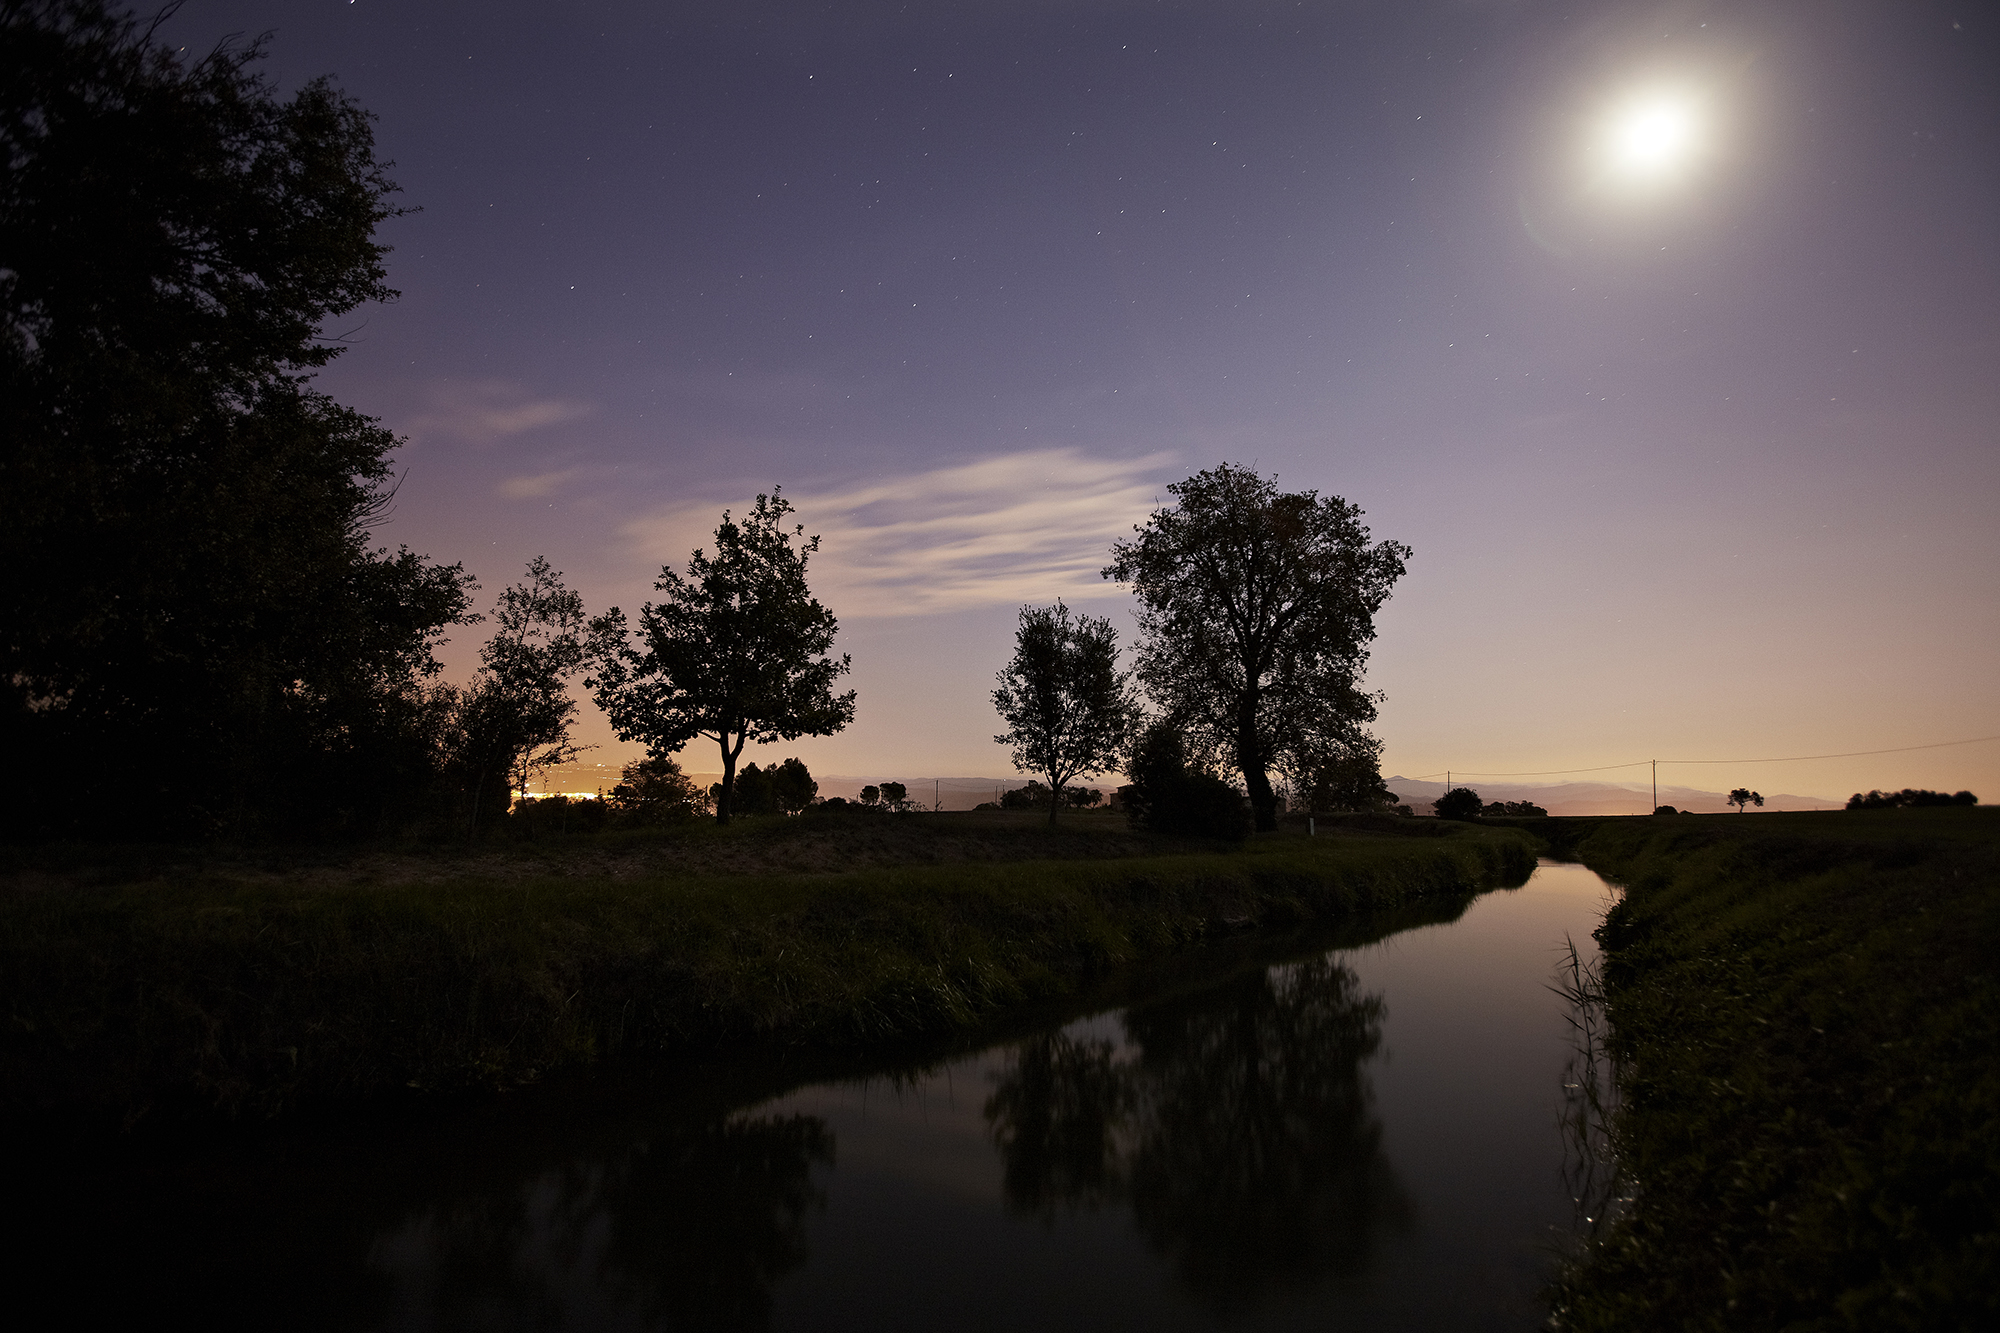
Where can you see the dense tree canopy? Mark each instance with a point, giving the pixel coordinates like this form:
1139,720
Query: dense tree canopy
735,651
1068,707
1257,609
195,623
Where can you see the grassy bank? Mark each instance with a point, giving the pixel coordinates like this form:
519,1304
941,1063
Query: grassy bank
1805,1009
253,985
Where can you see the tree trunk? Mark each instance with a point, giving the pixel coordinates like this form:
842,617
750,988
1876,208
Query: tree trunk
728,780
1263,802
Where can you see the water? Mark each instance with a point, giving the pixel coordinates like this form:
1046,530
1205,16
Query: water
1357,1138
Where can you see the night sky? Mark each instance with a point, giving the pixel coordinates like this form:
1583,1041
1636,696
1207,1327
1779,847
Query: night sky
1667,334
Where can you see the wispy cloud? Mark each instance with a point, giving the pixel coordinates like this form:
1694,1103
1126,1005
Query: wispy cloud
1025,527
483,411
536,486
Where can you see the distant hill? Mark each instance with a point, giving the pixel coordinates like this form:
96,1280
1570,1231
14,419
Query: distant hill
1604,798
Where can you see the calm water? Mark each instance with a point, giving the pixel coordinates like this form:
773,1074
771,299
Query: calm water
1361,1137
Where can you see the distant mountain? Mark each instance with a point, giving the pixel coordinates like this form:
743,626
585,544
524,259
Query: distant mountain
1603,798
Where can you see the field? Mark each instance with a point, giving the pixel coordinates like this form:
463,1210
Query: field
144,982
1804,1009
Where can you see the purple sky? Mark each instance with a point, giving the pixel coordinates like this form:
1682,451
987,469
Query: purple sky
1696,466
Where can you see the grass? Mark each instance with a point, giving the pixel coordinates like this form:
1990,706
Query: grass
1804,1011
145,981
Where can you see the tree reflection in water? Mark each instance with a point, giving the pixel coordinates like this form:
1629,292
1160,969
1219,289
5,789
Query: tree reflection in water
689,1228
1239,1128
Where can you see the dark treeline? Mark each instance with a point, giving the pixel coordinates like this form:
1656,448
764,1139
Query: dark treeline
1908,797
200,633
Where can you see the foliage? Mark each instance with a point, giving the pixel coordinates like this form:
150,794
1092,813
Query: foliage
655,791
514,719
1169,794
1803,1011
1743,798
1459,803
896,796
870,795
1908,797
1518,809
1338,775
536,815
195,622
1069,709
1257,610
781,789
1035,796
734,652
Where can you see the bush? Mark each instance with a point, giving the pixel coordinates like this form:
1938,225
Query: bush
1167,795
1665,810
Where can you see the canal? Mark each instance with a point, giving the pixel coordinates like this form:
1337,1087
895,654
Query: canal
1367,1131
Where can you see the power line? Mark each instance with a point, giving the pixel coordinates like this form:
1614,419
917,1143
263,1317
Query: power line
1850,754
1783,759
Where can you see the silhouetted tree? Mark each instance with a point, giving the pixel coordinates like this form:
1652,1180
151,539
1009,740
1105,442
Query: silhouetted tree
896,796
517,714
195,623
793,783
1068,708
1257,609
1743,798
1518,809
655,791
1458,803
1342,774
735,651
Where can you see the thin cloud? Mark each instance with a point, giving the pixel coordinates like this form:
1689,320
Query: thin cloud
537,486
483,411
1026,527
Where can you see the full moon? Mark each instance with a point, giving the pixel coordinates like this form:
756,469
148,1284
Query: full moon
1652,138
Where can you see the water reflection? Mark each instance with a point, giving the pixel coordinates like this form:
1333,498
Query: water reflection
684,1230
1237,1125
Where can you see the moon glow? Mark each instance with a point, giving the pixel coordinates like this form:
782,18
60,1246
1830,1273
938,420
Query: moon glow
1651,139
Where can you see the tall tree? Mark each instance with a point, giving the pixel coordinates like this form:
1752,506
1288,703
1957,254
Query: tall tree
516,716
736,651
195,618
1067,706
1257,609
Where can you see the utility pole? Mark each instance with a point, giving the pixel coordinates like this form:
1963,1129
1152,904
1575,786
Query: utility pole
1656,784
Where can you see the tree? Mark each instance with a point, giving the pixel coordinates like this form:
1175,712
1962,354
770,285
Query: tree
518,713
1257,609
1459,803
793,784
1067,706
896,796
870,795
735,651
1344,774
195,620
655,791
1743,798
1908,796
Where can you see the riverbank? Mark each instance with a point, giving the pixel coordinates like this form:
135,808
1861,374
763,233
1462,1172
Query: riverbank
259,983
1804,1009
